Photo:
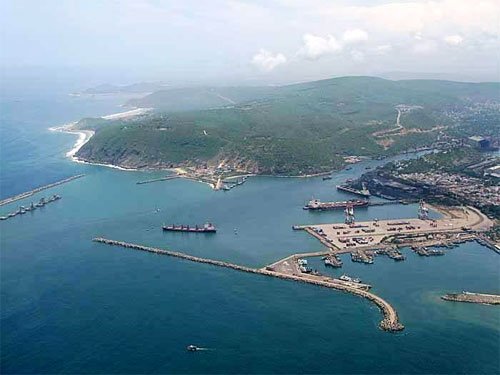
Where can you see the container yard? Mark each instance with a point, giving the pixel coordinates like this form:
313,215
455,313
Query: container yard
458,224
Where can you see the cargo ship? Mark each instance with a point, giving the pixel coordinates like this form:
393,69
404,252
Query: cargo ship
317,205
362,192
206,228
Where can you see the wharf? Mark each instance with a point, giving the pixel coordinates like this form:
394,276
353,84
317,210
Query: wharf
391,252
425,252
486,299
323,239
387,203
362,257
389,323
485,241
38,189
459,224
333,260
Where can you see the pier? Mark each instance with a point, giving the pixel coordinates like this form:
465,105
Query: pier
333,260
34,191
362,257
389,323
425,252
391,252
391,202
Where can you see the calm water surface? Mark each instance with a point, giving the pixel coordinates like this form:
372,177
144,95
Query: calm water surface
69,305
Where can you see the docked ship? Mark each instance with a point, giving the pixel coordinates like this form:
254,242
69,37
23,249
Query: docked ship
364,192
333,261
350,279
206,228
317,205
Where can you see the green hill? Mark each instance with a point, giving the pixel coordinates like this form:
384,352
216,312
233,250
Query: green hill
297,129
196,98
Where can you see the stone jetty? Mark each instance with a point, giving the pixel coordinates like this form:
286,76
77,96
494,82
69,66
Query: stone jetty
485,299
38,189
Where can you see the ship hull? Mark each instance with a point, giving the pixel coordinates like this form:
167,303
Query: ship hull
336,206
189,230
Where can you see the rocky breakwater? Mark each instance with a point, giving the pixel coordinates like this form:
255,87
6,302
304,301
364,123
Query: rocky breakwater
390,322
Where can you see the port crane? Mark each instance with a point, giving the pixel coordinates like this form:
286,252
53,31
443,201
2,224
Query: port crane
349,214
423,211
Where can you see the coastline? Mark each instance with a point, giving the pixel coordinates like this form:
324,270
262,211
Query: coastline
85,135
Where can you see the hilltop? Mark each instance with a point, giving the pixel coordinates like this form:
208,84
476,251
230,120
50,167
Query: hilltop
296,129
196,98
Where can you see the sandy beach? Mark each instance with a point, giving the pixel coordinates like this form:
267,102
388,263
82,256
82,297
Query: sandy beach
85,135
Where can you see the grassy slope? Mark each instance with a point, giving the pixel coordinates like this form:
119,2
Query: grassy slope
196,98
296,129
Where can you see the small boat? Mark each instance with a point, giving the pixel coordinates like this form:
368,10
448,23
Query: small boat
327,178
351,279
192,348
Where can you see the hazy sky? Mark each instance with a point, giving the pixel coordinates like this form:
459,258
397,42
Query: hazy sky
270,40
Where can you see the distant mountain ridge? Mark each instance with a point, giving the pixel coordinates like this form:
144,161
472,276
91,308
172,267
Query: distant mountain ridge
135,88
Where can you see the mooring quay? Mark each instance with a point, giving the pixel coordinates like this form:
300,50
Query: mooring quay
389,323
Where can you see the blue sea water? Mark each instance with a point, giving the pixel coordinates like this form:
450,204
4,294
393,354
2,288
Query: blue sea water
69,305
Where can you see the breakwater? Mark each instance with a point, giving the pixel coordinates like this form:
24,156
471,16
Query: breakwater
389,323
166,178
486,299
38,189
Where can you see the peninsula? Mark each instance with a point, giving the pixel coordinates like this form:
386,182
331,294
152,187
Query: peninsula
295,130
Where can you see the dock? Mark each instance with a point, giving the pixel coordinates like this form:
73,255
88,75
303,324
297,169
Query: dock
485,299
38,189
425,252
333,260
458,225
391,202
360,256
390,321
391,252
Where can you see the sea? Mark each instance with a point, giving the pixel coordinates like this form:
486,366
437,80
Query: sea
69,305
